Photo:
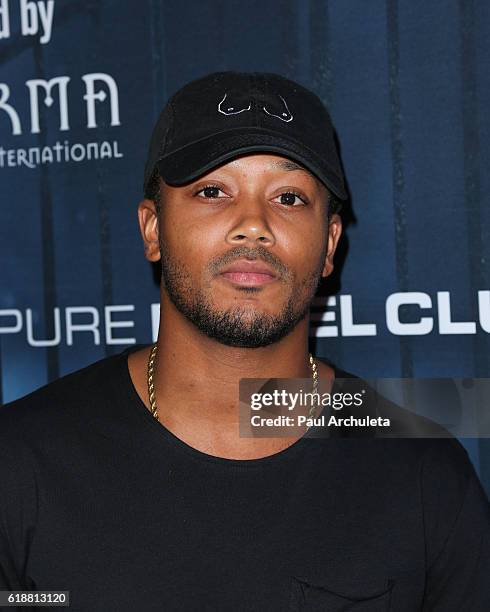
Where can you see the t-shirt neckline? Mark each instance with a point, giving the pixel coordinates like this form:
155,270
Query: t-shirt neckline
177,443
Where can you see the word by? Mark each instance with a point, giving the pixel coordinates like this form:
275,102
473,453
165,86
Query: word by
35,18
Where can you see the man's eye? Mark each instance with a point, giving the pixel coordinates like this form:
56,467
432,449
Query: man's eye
211,191
289,198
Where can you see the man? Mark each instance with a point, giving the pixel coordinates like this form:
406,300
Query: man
128,484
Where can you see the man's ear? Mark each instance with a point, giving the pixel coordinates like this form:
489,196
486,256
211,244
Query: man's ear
334,232
148,222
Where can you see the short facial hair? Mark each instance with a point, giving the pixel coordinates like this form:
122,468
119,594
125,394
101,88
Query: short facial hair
238,326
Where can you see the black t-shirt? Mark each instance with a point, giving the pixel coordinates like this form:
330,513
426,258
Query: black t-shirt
98,498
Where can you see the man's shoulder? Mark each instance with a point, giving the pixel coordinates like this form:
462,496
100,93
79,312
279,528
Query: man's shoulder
68,396
411,442
403,422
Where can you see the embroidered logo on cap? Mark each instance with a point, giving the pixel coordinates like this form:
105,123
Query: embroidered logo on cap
284,112
230,108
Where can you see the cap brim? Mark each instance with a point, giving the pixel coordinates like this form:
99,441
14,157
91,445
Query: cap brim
194,160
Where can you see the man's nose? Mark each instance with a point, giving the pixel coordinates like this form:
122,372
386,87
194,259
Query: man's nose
250,224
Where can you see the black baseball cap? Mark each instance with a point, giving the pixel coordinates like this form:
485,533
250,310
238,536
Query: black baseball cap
226,114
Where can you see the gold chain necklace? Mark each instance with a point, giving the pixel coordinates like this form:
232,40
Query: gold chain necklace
151,382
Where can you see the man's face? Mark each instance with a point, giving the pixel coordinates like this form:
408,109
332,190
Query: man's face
243,248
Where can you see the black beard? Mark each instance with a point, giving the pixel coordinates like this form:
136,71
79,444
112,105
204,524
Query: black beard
240,326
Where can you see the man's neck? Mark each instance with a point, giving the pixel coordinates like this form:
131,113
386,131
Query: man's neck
197,385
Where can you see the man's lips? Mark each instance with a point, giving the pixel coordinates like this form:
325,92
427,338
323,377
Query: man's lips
250,273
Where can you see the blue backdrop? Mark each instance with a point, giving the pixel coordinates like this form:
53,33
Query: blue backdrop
407,83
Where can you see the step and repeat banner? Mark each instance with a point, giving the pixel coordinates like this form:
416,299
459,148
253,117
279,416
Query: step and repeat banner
407,84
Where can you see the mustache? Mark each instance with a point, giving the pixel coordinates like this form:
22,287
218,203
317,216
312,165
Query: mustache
251,254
